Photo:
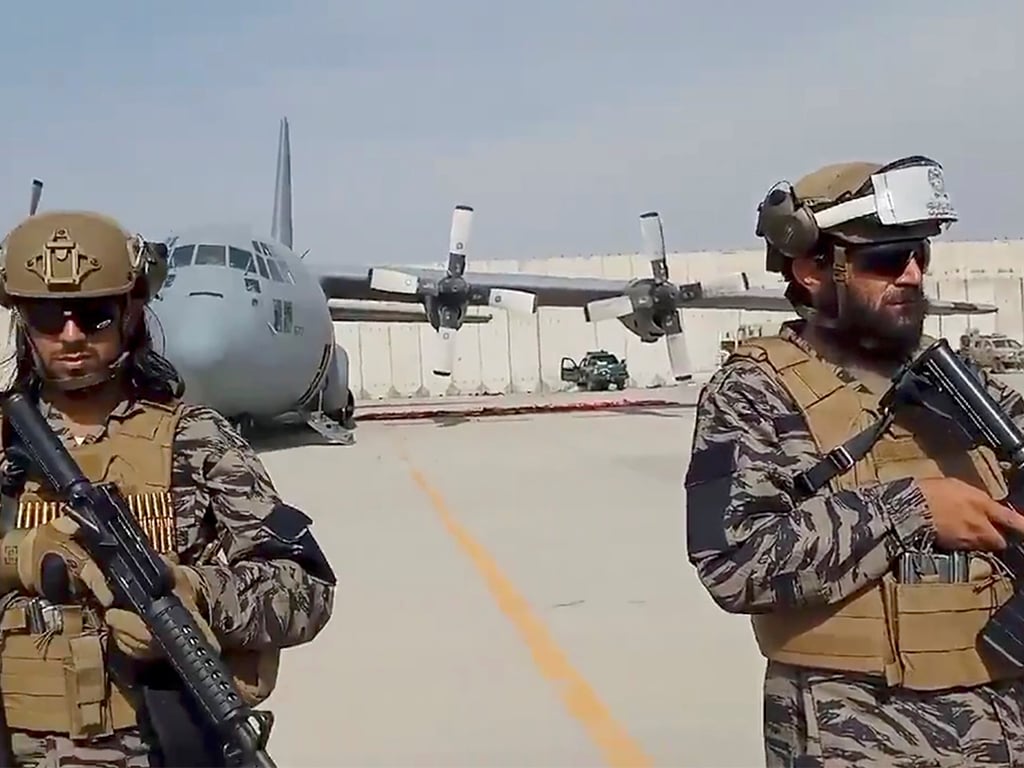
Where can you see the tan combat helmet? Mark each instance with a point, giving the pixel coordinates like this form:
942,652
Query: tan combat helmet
792,219
76,254
850,204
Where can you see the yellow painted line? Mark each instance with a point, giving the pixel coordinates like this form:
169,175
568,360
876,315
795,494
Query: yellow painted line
618,747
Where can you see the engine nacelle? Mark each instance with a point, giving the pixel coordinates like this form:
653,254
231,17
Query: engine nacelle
644,324
652,304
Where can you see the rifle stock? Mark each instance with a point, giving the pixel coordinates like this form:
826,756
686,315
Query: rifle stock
141,582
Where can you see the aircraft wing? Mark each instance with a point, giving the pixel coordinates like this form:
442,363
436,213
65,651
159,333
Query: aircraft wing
774,300
354,283
372,312
725,292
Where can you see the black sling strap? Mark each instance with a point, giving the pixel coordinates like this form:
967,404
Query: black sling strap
841,458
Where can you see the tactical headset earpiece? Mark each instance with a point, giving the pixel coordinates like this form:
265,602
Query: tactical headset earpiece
786,223
150,260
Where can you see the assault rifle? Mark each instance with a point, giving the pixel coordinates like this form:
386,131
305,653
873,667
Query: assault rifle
142,583
939,380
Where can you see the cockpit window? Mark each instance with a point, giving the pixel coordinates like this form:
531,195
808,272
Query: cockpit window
239,259
181,256
262,264
275,273
210,255
261,248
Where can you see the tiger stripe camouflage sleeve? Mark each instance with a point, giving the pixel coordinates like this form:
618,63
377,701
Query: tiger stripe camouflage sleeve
252,603
754,545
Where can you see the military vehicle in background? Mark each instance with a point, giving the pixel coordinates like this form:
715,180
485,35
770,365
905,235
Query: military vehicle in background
597,370
994,352
728,342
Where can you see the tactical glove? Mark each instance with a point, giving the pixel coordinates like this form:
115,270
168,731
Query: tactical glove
130,633
21,567
26,551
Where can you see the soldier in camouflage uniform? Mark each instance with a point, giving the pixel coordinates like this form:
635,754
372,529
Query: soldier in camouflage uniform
244,562
864,557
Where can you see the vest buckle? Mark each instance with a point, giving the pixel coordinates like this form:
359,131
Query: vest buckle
841,458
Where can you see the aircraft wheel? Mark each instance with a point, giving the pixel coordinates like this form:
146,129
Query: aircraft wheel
349,412
244,425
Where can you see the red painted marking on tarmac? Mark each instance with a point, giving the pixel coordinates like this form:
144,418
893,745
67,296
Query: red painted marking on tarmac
510,410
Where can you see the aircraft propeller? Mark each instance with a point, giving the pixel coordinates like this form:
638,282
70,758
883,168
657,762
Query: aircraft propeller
650,306
446,300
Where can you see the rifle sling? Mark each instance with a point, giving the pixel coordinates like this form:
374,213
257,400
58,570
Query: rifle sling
841,459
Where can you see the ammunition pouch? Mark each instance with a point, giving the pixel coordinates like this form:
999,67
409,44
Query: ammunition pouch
920,636
53,673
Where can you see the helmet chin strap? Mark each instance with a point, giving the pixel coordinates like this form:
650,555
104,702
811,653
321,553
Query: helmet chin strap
840,275
838,324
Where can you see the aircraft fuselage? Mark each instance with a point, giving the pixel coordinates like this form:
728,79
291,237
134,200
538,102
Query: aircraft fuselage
248,327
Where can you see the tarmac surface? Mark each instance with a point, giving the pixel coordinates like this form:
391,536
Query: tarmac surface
513,591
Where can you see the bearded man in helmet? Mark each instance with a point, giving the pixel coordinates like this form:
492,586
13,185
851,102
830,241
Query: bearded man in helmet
76,676
866,559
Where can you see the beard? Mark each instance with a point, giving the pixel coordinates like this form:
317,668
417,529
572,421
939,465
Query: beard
892,328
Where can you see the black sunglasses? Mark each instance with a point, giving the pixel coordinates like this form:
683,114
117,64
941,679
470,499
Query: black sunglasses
90,315
890,259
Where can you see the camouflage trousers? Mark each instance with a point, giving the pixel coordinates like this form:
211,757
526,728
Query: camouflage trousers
124,749
820,720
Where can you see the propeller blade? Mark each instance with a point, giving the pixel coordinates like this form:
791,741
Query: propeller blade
37,193
462,222
653,236
679,356
522,302
393,281
608,309
444,351
678,352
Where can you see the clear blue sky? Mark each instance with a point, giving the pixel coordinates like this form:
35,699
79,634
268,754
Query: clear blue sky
560,121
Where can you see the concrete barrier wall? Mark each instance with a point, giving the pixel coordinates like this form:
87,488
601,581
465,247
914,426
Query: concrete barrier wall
513,354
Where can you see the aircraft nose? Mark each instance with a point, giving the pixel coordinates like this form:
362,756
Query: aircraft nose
197,341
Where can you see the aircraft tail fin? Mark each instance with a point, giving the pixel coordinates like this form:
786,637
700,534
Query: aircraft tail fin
281,228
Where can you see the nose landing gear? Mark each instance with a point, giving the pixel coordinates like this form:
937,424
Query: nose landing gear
244,425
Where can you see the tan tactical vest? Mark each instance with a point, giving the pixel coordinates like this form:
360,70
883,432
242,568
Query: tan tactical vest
58,683
922,635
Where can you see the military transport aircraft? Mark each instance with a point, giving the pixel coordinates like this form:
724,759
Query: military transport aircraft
249,323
